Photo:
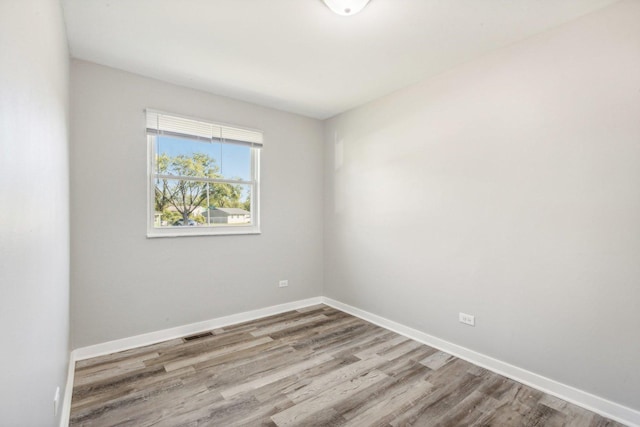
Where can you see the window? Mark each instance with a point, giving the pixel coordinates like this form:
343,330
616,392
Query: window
204,178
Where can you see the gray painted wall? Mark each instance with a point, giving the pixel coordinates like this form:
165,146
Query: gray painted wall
124,284
508,189
34,214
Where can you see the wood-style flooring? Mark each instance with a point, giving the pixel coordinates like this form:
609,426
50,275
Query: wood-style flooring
315,366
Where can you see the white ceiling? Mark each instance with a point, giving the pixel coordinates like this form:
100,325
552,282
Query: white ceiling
296,55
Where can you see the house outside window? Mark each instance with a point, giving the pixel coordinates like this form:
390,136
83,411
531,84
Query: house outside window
204,177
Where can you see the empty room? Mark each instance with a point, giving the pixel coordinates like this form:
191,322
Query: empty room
320,213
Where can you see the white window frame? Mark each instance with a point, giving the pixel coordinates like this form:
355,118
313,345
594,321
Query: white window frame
252,228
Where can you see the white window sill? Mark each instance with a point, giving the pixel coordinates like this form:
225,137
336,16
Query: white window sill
195,231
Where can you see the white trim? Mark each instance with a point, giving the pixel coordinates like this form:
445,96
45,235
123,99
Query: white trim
193,328
599,405
237,230
203,179
65,413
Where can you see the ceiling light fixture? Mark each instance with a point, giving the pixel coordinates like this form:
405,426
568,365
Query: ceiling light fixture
346,7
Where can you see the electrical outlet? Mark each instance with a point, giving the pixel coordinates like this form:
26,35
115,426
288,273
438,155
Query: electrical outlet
283,283
467,319
56,401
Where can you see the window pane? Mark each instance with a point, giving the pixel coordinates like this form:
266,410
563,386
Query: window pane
186,203
190,157
229,204
178,202
187,157
235,162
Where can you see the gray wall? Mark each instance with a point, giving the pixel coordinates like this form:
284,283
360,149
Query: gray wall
508,189
124,284
34,201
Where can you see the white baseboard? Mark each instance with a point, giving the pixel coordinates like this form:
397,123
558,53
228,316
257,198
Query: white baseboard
193,328
599,405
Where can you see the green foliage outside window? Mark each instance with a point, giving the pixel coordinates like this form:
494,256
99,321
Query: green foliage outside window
184,196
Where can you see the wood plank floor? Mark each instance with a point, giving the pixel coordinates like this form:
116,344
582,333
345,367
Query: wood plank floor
311,367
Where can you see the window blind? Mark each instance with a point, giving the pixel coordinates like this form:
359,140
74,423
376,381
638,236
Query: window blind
159,123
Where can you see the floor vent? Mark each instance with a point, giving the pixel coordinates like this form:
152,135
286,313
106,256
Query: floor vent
198,336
